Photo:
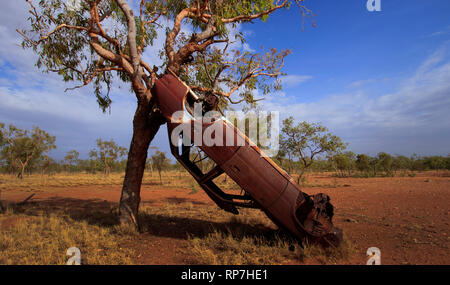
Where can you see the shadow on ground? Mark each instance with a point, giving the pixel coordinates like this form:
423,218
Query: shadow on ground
105,213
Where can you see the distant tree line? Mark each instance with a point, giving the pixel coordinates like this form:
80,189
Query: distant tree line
303,147
27,152
24,150
349,164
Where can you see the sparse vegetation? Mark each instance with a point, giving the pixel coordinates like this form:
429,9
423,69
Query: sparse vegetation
107,153
23,236
249,238
306,141
237,247
21,150
160,161
203,234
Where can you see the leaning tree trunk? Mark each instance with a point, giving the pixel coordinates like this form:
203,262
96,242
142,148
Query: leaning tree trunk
146,124
22,170
302,172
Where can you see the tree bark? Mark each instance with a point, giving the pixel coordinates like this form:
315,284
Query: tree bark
146,124
302,172
22,169
300,175
2,209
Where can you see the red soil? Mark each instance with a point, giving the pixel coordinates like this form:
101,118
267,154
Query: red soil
407,218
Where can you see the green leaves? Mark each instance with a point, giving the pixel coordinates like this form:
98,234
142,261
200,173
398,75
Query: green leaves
238,74
107,153
72,157
23,148
159,160
306,140
61,39
90,45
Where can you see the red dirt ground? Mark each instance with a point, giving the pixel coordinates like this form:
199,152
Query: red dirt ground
407,218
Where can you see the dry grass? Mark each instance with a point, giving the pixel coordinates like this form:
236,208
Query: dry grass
45,239
39,183
216,237
213,236
31,236
220,248
241,245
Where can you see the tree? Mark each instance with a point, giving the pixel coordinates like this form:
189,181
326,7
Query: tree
2,135
402,163
385,162
305,141
22,147
160,162
72,158
93,160
107,152
373,162
73,42
343,163
49,146
7,156
435,162
363,163
417,163
149,160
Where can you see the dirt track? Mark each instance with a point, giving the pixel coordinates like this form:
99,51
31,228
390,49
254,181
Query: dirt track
407,218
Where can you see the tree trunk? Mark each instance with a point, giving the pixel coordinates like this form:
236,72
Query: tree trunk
44,168
300,175
2,209
145,126
22,172
302,171
107,169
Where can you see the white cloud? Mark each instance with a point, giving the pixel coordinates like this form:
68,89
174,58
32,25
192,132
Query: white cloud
359,83
444,31
29,97
293,80
414,118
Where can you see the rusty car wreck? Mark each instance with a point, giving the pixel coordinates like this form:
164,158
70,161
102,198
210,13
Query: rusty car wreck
266,186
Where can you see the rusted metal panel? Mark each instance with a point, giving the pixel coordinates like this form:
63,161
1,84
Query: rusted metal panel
174,95
221,154
256,176
284,208
266,185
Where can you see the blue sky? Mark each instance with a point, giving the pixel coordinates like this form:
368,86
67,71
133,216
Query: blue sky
351,44
380,80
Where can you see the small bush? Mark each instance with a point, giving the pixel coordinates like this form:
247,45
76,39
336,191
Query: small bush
363,175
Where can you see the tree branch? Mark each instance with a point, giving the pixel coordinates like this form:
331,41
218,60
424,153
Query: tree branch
131,36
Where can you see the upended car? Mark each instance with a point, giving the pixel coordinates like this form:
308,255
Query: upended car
265,185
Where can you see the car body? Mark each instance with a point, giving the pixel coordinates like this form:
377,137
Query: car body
266,185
